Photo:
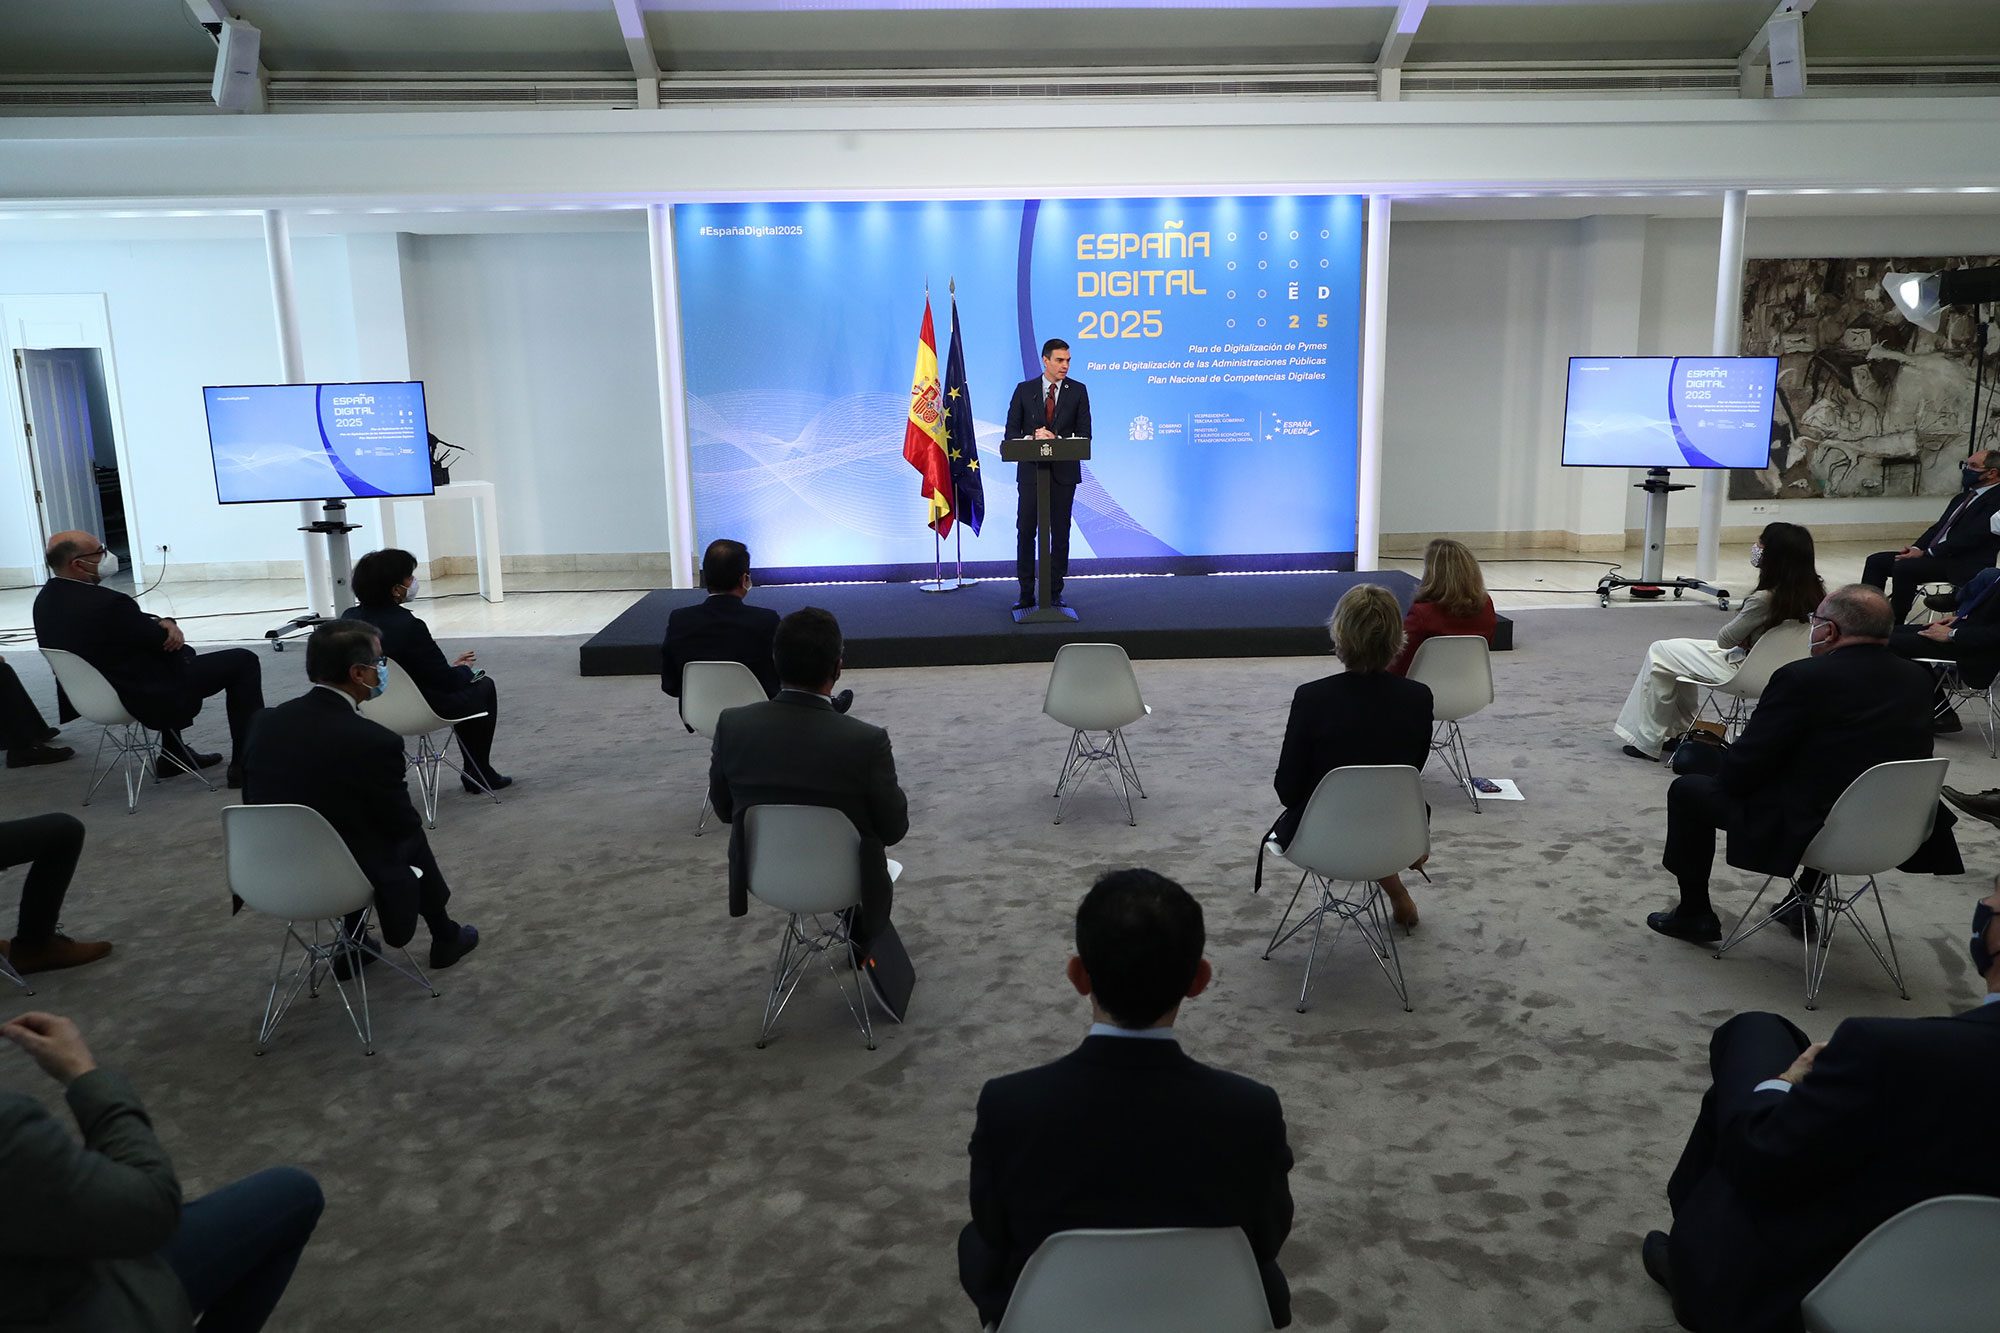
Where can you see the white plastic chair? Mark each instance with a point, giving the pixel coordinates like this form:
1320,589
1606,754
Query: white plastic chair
1958,692
1362,824
1092,689
1777,646
707,688
286,861
136,747
1928,1269
805,860
1459,670
1172,1280
402,709
1877,824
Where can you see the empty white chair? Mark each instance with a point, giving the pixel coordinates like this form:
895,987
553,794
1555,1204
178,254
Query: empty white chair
1877,824
1775,647
402,709
1928,1269
1958,692
1092,689
1459,670
134,746
1171,1280
286,861
1361,824
707,688
805,860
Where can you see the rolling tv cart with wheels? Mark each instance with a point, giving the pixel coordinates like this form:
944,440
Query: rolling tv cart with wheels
1651,583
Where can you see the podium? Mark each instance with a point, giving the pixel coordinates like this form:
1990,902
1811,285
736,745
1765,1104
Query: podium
1044,454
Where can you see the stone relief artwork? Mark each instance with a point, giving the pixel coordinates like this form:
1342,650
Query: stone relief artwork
1868,404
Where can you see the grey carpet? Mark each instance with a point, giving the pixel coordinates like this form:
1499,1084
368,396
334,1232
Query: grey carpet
580,1133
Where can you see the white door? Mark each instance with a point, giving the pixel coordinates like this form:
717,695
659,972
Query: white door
57,410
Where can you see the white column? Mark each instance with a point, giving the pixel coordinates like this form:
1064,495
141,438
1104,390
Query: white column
1611,264
291,367
1374,336
1728,339
681,555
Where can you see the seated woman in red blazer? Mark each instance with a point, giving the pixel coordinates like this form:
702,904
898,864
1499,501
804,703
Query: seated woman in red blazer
1451,600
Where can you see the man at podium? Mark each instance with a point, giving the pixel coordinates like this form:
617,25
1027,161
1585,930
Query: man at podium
1051,407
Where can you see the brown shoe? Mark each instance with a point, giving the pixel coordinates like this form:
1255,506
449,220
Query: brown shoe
59,952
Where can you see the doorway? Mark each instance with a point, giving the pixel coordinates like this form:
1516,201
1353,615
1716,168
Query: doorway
72,447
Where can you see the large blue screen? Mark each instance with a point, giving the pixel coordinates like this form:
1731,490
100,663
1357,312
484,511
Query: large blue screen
1669,411
318,441
1219,340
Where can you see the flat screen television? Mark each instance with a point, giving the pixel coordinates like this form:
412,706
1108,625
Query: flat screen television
318,441
1669,411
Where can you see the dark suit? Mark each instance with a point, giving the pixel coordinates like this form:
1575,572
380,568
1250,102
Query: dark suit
725,628
1026,414
1975,643
451,691
1957,546
1820,723
1352,718
1122,1132
1775,1187
164,690
795,750
317,750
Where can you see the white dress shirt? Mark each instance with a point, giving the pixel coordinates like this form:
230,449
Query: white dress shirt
1113,1030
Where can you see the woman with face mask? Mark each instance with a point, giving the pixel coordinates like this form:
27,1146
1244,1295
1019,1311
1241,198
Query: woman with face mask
1660,706
383,581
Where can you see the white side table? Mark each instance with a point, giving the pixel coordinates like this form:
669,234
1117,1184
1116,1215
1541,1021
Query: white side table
485,529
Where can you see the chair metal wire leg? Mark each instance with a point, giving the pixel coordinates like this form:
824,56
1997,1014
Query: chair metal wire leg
1280,935
425,761
1890,963
701,819
796,951
465,769
1086,754
1378,928
1449,743
316,962
7,971
1737,934
1318,919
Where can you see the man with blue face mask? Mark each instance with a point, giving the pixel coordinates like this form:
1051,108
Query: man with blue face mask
317,750
1803,1148
1964,540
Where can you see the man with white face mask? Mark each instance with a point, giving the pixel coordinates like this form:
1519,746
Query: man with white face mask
160,680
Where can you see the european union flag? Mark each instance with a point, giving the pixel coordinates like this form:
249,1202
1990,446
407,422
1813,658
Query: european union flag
961,443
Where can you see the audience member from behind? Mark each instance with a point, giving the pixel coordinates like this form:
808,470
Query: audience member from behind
384,580
24,733
1822,722
50,846
1126,1130
318,750
1660,707
94,1236
795,749
1964,540
160,680
1801,1149
725,627
1451,600
1363,715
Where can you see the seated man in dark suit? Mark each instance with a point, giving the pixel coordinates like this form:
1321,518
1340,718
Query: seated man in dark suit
725,628
159,679
318,750
24,734
384,580
1970,637
1820,724
794,749
1126,1130
1801,1150
1964,540
49,845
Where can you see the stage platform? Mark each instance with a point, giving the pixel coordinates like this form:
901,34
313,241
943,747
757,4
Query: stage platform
898,625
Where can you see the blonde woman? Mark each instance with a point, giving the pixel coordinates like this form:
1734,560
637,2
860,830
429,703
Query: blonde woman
1363,715
1451,600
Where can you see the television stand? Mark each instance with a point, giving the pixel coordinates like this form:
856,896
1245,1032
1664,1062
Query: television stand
1651,583
333,526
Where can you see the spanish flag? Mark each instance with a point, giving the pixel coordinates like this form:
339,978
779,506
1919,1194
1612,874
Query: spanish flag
923,435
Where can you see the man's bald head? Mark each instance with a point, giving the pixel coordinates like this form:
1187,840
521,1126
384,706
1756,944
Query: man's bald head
74,555
1854,614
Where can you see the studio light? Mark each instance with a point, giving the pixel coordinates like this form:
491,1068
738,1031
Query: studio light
1921,298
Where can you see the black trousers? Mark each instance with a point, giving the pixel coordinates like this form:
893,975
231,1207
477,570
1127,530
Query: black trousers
1901,577
21,723
1696,807
402,895
474,737
50,846
1745,1051
236,674
1906,641
1062,496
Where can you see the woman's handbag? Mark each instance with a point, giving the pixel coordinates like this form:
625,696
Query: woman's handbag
1700,749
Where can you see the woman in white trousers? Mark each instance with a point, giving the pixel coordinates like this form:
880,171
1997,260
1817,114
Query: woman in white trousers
1660,706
